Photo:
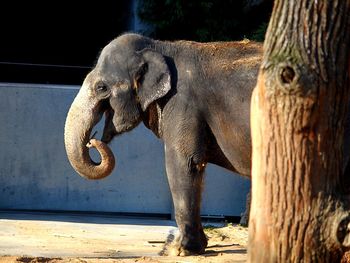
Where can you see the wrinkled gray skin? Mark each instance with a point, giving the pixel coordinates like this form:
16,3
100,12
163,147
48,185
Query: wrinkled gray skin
195,97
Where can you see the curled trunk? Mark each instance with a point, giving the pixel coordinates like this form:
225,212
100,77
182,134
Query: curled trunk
81,118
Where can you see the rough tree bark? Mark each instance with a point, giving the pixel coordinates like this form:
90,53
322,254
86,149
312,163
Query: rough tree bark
300,209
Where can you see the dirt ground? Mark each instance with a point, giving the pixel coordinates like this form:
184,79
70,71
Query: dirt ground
47,240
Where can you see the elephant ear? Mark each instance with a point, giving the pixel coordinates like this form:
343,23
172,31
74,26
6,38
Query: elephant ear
152,79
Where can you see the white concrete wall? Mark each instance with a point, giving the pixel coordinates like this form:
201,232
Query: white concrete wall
35,172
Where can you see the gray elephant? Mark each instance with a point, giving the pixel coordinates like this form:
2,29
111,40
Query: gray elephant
194,96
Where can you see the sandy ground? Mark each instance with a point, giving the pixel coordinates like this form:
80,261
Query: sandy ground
62,238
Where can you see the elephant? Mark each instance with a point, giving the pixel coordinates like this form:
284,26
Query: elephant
194,96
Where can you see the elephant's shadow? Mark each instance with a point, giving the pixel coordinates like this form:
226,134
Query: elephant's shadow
213,253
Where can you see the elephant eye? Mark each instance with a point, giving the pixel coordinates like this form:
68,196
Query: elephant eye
101,87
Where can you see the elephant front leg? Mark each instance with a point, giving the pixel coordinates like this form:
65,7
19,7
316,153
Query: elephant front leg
185,176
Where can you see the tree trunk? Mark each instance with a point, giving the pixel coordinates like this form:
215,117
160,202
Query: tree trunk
300,211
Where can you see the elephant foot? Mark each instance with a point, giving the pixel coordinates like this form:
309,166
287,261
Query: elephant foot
176,250
182,246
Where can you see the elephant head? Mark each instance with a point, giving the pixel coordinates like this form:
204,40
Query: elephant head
127,78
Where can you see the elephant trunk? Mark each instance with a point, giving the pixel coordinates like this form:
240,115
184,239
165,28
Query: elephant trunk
81,118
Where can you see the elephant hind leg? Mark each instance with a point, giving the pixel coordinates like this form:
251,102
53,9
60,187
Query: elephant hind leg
245,215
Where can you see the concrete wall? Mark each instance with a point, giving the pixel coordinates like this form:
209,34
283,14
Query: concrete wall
35,172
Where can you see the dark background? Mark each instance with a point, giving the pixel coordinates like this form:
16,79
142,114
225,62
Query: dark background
56,33
206,20
58,42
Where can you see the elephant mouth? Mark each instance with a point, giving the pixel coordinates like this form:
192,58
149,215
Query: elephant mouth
109,130
117,123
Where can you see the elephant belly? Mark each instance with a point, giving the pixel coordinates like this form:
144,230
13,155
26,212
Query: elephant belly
235,144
